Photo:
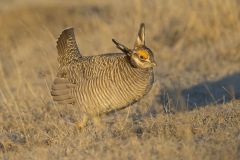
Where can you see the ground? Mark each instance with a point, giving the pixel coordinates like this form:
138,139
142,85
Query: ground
192,111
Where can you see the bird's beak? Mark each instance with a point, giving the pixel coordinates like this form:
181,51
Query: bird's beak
153,64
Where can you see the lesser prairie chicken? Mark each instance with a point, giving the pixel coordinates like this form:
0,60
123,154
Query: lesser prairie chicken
102,83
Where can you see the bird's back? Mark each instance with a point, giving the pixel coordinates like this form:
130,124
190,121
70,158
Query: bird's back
106,82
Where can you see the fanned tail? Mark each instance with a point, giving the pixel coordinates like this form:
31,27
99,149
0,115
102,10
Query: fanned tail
67,47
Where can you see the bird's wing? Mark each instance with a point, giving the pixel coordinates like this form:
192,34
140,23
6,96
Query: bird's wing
67,47
70,77
61,91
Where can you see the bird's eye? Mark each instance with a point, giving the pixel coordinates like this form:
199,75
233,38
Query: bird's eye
141,57
142,54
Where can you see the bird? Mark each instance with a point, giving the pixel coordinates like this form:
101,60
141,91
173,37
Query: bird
103,83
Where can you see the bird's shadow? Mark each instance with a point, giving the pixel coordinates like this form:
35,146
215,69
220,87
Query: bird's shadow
203,94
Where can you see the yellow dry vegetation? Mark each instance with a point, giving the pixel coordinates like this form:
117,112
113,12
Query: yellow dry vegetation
192,112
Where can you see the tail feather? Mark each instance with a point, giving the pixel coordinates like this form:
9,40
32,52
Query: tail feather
67,47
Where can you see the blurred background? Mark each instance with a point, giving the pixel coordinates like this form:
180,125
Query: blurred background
196,44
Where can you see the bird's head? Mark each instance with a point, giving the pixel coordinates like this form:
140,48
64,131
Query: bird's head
140,56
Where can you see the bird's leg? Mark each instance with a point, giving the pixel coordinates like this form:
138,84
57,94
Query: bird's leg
97,121
83,123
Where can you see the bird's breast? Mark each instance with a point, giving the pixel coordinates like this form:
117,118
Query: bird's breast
101,90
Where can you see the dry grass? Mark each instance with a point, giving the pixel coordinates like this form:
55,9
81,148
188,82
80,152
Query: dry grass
195,115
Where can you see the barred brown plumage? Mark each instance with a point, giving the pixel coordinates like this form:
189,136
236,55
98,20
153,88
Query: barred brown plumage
106,82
